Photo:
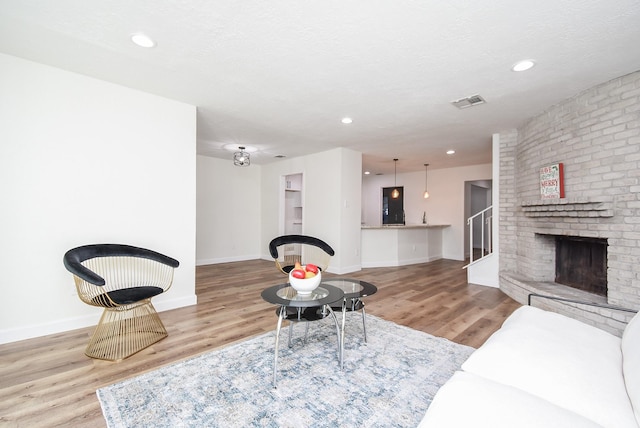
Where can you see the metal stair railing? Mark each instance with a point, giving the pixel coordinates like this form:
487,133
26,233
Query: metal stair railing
485,218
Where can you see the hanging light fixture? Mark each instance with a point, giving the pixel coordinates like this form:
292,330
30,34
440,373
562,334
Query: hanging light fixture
426,192
241,158
395,193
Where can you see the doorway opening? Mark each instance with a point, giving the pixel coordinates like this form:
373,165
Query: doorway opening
477,197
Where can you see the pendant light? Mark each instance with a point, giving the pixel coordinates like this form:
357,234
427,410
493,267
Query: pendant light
426,192
241,158
396,193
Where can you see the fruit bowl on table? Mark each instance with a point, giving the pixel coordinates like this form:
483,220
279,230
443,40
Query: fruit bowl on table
305,286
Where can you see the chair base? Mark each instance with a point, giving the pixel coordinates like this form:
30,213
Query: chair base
125,330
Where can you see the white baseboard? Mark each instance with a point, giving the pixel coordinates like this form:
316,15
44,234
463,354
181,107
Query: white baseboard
202,262
344,270
396,262
68,324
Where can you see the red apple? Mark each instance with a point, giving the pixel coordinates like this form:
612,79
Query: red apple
311,268
298,273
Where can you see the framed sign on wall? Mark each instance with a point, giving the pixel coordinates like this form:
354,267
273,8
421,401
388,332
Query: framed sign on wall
552,181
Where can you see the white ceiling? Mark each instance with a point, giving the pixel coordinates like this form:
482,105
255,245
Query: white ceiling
279,75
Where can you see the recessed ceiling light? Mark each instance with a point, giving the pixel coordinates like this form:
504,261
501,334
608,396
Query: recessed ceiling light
523,65
142,40
451,152
367,173
347,120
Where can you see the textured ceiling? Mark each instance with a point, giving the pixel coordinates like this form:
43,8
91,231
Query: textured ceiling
279,75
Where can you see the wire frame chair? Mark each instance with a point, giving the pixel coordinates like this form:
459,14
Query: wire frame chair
121,279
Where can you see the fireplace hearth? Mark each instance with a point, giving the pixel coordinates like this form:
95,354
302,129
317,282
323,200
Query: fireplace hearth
581,263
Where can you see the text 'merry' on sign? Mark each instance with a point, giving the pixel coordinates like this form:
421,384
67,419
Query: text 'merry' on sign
552,181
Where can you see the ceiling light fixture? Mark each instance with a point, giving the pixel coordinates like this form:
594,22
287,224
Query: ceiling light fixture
523,65
347,120
142,40
451,152
426,192
241,158
395,193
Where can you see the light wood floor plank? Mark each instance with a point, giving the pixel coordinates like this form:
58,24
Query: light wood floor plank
49,381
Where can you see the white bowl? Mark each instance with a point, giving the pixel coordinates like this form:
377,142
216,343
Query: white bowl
307,285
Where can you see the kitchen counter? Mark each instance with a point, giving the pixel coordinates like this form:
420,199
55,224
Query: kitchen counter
400,245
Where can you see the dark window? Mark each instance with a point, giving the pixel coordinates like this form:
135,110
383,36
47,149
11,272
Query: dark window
392,208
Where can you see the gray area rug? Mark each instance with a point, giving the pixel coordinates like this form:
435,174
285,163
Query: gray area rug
387,382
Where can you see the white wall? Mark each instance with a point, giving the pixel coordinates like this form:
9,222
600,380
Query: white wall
351,206
85,161
331,202
228,211
444,206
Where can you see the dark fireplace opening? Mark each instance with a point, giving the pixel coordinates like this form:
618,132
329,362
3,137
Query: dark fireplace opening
582,263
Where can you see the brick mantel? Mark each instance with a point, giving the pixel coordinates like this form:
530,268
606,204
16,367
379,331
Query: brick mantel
566,207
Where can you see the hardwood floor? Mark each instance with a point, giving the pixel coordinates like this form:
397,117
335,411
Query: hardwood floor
49,381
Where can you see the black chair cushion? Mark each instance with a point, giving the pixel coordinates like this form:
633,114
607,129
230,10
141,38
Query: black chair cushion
127,296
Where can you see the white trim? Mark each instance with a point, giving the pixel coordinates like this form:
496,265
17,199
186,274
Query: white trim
74,323
396,262
203,262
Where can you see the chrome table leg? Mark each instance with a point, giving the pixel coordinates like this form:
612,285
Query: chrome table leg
364,323
344,314
275,351
335,320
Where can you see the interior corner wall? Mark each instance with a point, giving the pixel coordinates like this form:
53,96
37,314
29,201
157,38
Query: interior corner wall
351,208
85,161
228,211
326,187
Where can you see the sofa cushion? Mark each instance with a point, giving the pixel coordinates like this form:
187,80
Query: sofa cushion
631,362
559,359
467,400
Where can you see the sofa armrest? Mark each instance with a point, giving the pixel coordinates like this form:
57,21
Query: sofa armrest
468,400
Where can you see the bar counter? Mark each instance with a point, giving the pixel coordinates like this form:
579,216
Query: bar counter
400,245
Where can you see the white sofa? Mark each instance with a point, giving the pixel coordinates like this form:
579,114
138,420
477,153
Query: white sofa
542,369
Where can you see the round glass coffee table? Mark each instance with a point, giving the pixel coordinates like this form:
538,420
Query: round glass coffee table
308,307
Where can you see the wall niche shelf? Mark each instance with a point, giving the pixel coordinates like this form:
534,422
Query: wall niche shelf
293,204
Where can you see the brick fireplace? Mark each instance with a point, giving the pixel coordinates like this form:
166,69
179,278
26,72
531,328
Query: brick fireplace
596,135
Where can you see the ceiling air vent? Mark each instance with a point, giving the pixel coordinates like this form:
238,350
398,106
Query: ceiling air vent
471,101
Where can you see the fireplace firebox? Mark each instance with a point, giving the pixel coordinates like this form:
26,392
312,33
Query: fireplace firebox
581,263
